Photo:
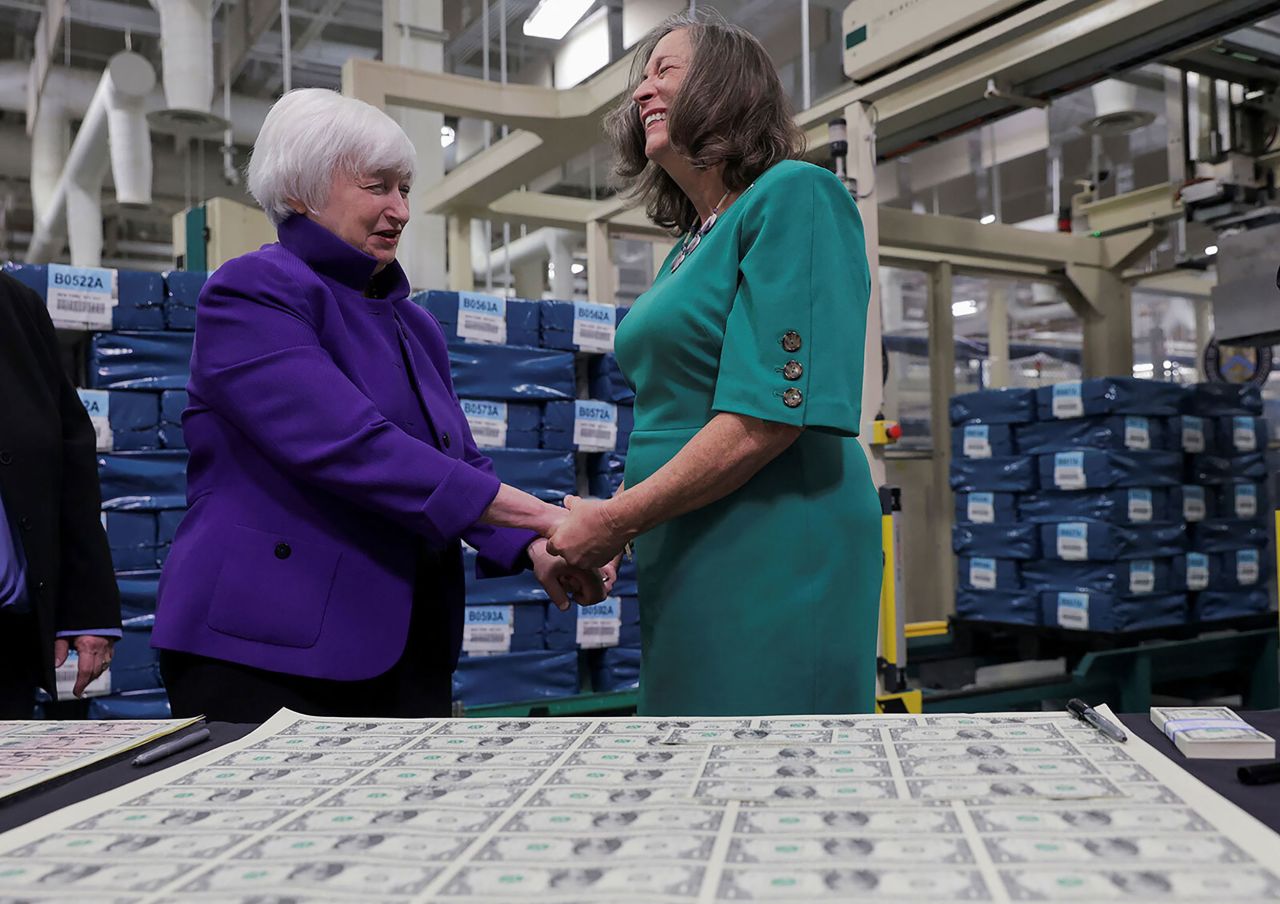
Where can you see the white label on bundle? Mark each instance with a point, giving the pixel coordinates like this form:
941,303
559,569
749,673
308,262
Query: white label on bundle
1068,470
1243,436
595,425
488,422
1137,433
81,297
1073,611
1247,566
1067,401
98,403
593,326
1073,541
1140,506
977,441
1246,500
64,678
1142,576
487,629
1193,504
600,625
982,573
981,507
482,318
1192,434
1197,571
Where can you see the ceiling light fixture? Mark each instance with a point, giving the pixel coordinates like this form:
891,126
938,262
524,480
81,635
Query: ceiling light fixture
553,18
988,219
964,308
575,269
1211,250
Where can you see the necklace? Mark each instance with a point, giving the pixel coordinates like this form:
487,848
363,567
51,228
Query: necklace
691,241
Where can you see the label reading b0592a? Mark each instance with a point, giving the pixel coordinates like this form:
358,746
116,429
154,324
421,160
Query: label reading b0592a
1137,433
593,326
1142,576
97,402
595,425
1073,611
982,573
600,625
482,318
1068,471
1067,401
981,508
487,629
1073,541
1140,507
488,422
977,441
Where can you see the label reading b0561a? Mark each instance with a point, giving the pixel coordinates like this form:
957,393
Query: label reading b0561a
1073,611
97,402
977,441
600,625
981,508
1073,541
81,297
595,425
1067,401
482,318
488,422
593,326
487,629
1068,471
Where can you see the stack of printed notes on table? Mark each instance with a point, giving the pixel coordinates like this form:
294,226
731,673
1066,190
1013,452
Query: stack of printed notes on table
1212,733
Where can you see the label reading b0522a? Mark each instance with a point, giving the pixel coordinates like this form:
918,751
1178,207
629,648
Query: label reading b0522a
1073,541
488,422
593,326
81,297
97,402
1073,611
482,318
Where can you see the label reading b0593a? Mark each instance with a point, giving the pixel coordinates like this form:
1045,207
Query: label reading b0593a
982,573
593,326
488,422
97,402
600,625
1068,470
981,508
1142,576
487,629
1073,611
482,318
1140,507
1067,401
1073,541
81,297
1137,433
595,425
977,441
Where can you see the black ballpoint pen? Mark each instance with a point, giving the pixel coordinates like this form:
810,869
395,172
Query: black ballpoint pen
1086,713
171,747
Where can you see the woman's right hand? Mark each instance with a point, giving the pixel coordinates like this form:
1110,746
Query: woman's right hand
516,508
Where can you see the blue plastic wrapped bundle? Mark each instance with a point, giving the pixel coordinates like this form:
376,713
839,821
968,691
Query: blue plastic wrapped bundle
510,373
1194,571
1213,470
994,406
1223,534
985,508
1135,505
605,380
1089,610
1241,569
563,421
503,628
605,473
615,669
138,589
1218,399
1241,500
627,583
1097,541
1216,605
172,403
982,440
988,573
137,705
1095,469
132,538
132,419
160,360
475,317
1016,607
1191,433
181,292
1005,474
167,523
140,295
594,625
514,677
1132,577
1108,395
1135,432
580,325
1006,541
544,473
1241,435
504,425
516,588
135,666
1195,503
147,481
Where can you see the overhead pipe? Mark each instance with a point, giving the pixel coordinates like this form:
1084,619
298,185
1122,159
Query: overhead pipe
50,142
112,135
186,51
537,244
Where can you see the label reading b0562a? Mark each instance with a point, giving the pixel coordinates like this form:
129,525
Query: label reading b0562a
593,326
1140,507
1073,541
600,625
1067,401
482,318
1137,433
1142,576
595,425
1068,471
982,573
487,629
97,402
981,508
488,422
1073,611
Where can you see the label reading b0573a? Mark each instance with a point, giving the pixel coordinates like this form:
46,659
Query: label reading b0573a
982,573
1068,471
981,508
1142,576
97,402
977,441
488,422
482,318
1245,500
600,625
487,629
593,326
1067,401
81,297
1137,433
595,425
1073,611
1140,507
1073,541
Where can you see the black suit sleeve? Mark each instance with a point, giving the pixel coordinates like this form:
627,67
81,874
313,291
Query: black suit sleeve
88,596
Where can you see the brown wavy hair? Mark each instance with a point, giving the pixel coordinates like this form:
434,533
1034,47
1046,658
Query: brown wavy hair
730,110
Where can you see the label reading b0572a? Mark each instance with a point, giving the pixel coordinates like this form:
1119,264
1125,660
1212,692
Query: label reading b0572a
97,402
593,326
595,425
1137,433
487,629
1068,471
1067,401
982,573
482,318
981,508
1073,541
600,625
1142,576
1073,611
488,422
1140,507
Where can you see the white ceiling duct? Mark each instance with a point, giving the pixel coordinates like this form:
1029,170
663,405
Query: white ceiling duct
186,49
50,141
113,134
1116,109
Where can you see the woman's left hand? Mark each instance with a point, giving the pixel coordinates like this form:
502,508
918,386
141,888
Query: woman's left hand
564,583
588,537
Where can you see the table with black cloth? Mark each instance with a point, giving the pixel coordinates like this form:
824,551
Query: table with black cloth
1260,801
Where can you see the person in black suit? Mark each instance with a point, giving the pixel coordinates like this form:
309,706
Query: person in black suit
57,589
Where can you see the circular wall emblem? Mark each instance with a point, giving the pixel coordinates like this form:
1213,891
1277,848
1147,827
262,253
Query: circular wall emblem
1241,364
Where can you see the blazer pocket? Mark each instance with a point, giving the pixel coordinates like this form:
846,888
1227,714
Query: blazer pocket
272,589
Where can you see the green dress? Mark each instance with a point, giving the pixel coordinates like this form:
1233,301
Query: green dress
767,601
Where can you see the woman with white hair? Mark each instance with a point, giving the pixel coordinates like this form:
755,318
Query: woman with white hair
332,474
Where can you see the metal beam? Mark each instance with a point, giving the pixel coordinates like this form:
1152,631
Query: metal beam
941,235
246,22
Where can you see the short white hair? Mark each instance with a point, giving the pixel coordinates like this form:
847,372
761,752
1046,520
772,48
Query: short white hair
309,136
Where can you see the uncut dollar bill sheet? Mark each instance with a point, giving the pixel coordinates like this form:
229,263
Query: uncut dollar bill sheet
897,808
32,753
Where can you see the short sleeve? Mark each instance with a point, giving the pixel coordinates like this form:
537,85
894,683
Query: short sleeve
795,336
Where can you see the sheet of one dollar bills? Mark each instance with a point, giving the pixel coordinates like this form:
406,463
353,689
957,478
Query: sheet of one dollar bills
1212,733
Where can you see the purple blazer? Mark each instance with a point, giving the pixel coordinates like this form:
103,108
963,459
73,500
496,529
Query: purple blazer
327,446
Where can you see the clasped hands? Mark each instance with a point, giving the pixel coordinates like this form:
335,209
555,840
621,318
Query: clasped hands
580,554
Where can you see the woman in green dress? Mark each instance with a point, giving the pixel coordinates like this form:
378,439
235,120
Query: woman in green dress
756,524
